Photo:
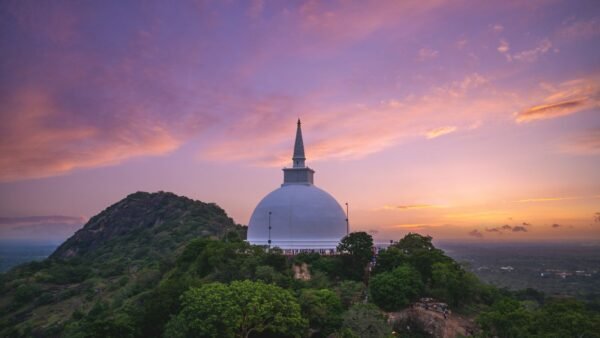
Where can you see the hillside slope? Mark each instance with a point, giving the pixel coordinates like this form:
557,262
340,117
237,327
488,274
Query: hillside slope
118,254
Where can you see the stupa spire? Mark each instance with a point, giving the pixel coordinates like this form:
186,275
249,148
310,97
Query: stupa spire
299,173
298,158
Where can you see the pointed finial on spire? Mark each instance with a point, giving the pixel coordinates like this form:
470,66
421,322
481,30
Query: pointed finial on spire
298,157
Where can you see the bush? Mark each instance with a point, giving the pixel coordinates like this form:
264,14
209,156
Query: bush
219,310
396,289
365,321
26,293
322,308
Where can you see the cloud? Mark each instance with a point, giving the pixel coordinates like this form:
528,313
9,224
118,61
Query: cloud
47,228
582,29
437,132
503,47
519,228
264,136
550,111
555,199
104,99
410,207
497,28
426,54
6,221
86,102
506,228
411,225
584,143
476,233
33,146
555,225
328,22
532,55
568,98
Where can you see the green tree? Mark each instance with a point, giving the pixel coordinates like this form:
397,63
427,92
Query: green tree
350,292
451,283
25,293
357,244
414,242
565,318
236,310
396,289
506,318
389,259
421,254
357,250
322,308
365,321
161,303
101,322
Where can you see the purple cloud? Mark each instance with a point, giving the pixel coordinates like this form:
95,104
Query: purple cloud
476,233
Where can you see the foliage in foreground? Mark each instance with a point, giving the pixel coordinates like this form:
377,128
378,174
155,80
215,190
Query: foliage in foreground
236,310
557,318
229,288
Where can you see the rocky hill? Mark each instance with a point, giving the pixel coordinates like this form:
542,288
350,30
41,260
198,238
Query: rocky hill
141,221
118,254
433,323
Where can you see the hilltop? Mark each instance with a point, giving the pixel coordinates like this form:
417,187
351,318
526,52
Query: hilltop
156,265
162,221
117,255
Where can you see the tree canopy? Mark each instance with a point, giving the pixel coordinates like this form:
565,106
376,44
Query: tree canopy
365,321
236,310
357,251
396,289
357,244
322,308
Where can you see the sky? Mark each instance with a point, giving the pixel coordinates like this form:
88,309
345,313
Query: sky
463,120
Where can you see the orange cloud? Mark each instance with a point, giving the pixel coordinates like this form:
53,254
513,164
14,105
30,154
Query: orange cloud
504,46
569,98
409,225
33,147
549,111
437,132
410,207
554,199
264,136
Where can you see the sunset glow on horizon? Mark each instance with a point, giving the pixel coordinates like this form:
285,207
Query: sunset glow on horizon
456,119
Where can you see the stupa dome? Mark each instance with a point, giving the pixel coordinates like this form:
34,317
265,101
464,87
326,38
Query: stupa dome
301,216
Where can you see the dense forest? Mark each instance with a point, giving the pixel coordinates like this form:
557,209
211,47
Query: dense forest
160,265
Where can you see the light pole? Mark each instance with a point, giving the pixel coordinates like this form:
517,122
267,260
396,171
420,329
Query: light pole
269,231
347,221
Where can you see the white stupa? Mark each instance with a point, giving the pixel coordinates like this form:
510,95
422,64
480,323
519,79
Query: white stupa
302,217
